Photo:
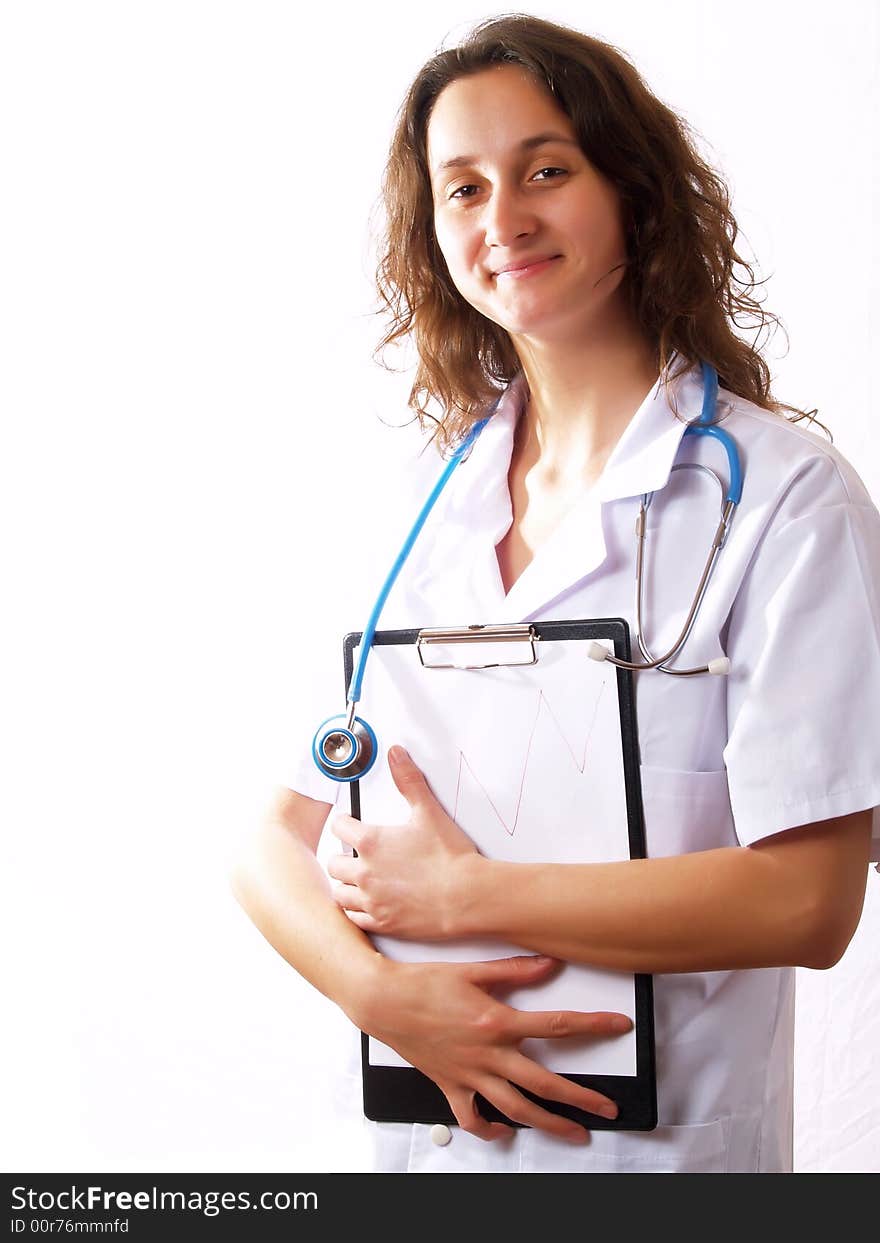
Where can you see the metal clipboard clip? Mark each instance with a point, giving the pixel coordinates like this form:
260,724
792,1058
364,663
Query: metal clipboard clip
455,649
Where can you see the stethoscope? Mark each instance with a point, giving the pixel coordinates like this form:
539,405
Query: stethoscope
345,746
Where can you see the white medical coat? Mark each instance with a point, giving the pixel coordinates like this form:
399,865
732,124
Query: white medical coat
790,737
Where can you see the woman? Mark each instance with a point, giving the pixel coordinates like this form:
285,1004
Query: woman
552,231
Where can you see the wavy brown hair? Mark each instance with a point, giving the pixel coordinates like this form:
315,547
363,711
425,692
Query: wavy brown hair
689,288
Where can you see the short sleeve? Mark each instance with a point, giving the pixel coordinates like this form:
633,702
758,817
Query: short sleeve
804,686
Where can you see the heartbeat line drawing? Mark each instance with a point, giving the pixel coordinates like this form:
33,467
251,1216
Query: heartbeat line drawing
578,764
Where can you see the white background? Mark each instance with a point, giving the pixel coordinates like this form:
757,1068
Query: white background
191,418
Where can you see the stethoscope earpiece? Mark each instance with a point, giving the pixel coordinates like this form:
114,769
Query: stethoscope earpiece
344,749
719,666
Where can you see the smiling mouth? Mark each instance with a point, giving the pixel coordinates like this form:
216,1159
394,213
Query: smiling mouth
527,269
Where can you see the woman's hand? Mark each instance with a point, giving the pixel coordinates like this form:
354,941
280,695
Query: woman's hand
442,1018
405,876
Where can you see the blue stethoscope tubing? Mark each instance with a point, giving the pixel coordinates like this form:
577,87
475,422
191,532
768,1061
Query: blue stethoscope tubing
345,746
706,426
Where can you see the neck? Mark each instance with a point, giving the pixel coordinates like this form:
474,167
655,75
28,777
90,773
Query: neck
582,396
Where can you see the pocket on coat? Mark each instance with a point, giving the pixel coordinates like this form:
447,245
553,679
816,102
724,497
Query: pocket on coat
700,1148
685,811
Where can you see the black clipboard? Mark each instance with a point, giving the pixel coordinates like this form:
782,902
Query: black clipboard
403,1093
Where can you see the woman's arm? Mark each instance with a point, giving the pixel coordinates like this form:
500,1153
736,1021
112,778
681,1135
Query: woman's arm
791,899
280,884
441,1017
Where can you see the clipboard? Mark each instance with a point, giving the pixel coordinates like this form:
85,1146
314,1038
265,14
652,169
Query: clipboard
483,710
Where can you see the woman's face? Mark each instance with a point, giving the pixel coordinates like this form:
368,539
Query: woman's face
532,235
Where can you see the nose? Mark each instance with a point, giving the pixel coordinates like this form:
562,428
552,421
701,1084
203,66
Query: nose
507,217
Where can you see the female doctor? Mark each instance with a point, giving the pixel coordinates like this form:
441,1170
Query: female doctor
554,236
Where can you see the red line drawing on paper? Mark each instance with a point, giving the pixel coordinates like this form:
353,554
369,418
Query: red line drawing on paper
580,765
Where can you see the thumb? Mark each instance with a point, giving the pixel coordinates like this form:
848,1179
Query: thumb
409,779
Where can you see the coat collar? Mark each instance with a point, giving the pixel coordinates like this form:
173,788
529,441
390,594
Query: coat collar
644,456
640,462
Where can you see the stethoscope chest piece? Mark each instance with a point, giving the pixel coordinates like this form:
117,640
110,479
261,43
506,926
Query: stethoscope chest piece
345,747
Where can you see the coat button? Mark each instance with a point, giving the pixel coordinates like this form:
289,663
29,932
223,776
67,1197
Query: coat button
440,1135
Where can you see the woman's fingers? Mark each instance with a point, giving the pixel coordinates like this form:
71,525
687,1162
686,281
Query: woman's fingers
365,922
351,899
552,1087
521,1071
553,1024
522,969
347,829
504,1096
469,1118
344,867
348,896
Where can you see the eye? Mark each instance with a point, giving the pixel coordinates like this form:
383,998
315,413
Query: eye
457,192
551,168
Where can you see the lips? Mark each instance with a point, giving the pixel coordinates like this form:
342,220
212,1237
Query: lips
522,267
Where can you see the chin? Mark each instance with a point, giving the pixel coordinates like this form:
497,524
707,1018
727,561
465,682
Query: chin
536,325
518,320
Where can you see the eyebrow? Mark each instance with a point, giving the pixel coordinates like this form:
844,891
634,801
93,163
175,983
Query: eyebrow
527,144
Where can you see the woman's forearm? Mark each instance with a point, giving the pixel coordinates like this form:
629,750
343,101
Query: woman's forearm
652,915
281,885
792,901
